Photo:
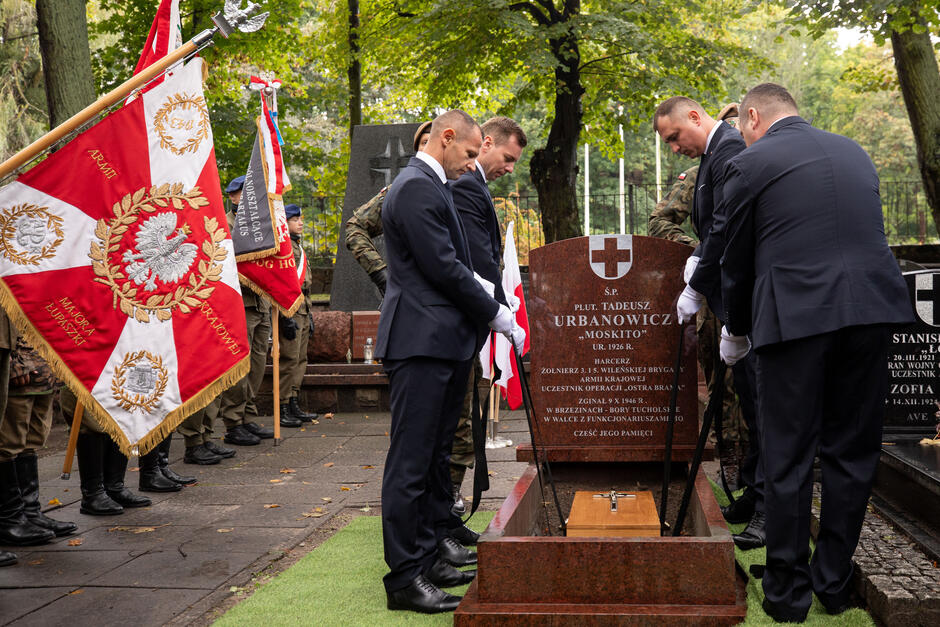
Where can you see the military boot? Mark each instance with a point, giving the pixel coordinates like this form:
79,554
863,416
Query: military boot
7,558
115,467
151,479
163,459
301,414
288,419
27,474
95,501
15,528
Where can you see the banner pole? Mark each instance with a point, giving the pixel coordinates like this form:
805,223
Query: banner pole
276,383
73,441
117,94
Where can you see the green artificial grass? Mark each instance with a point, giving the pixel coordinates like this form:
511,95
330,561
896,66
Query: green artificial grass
755,593
338,583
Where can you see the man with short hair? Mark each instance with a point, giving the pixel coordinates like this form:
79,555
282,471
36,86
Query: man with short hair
432,326
687,128
807,273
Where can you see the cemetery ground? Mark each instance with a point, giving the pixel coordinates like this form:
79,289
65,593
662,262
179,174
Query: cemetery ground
195,554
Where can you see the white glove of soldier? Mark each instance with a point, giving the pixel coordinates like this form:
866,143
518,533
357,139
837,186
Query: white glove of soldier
689,303
690,265
514,302
733,348
503,322
486,285
518,338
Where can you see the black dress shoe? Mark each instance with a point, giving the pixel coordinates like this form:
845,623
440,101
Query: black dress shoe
422,596
443,575
58,527
240,436
464,535
741,510
454,554
265,433
126,498
753,536
782,616
7,558
170,474
289,420
222,451
200,455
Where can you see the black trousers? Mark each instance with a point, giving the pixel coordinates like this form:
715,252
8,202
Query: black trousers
745,385
827,393
426,396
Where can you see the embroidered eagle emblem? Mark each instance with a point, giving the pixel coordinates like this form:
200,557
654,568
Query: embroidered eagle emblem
161,254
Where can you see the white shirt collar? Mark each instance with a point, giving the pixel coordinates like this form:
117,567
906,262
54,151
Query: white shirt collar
480,170
712,134
431,161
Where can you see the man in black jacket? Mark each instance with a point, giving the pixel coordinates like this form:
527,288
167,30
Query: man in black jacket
687,128
808,274
433,323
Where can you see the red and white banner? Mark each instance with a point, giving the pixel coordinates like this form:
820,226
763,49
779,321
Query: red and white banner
497,348
166,35
116,263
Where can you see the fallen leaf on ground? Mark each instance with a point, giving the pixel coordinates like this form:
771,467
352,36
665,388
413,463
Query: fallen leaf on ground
233,589
328,464
386,434
323,436
275,480
79,591
305,482
302,429
138,529
76,542
368,467
327,499
316,512
134,468
345,489
229,530
271,505
287,471
365,509
490,473
37,562
328,416
55,502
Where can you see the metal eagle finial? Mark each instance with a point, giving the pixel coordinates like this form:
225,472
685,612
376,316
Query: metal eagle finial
233,17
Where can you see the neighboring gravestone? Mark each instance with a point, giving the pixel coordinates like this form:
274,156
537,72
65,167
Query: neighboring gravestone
376,155
602,314
914,361
365,325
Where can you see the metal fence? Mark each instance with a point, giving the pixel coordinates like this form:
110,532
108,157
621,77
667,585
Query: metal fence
907,217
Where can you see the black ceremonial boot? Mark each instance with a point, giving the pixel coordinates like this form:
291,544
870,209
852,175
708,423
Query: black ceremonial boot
27,474
288,418
163,459
15,528
151,479
299,413
95,501
115,467
7,558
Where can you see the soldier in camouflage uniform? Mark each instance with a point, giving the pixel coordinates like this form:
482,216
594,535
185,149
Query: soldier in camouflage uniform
295,332
26,425
665,221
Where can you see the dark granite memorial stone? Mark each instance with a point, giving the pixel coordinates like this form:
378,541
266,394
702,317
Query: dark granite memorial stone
377,154
914,361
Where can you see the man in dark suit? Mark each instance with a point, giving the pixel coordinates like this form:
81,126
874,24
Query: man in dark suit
433,323
808,274
503,141
687,128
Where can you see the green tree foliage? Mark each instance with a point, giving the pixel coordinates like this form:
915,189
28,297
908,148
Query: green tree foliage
22,93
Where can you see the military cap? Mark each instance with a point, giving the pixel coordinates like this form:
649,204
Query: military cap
729,113
292,211
424,128
235,185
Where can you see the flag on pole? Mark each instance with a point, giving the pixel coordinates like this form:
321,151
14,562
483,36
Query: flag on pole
116,264
497,348
273,276
166,35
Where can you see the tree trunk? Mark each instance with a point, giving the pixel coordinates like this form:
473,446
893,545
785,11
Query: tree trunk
66,59
919,78
354,70
554,168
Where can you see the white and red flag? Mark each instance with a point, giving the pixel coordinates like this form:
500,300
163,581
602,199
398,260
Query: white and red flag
116,264
497,348
166,35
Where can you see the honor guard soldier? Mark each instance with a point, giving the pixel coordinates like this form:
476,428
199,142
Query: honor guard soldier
295,332
197,432
237,404
26,425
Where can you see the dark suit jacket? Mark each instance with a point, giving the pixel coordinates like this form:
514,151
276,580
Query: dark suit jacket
478,215
725,144
433,306
806,250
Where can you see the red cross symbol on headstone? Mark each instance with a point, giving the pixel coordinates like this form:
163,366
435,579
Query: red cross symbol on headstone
610,257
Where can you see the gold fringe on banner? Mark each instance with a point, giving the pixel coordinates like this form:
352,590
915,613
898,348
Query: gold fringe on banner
257,289
169,423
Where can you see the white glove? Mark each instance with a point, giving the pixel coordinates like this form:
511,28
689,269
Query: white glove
486,285
514,302
733,348
518,338
503,322
690,264
689,303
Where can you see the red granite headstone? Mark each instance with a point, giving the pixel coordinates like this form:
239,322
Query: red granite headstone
602,314
365,324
